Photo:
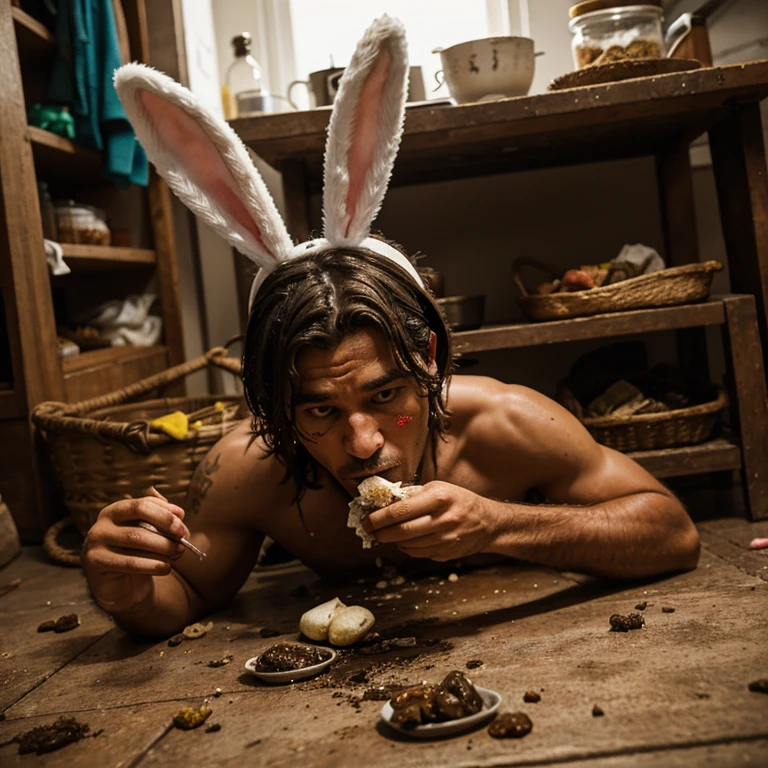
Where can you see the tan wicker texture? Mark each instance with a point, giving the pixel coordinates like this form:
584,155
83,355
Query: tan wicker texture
669,287
651,431
103,449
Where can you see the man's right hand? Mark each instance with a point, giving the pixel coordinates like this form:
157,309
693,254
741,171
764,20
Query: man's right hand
120,559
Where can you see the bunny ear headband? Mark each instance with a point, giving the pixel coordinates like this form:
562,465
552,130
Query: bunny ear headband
209,169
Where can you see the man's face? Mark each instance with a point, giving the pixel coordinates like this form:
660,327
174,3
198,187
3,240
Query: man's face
357,414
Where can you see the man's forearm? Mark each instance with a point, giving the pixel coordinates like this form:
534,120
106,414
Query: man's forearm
169,607
639,535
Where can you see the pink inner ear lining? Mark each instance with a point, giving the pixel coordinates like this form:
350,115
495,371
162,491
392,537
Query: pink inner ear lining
365,132
201,159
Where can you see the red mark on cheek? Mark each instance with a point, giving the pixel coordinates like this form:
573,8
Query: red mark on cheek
403,420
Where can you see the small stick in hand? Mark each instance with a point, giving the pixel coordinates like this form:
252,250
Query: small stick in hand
184,542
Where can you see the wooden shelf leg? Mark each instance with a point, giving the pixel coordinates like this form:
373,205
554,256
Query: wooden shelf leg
738,160
681,242
749,401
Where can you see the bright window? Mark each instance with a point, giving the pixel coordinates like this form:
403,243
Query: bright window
330,30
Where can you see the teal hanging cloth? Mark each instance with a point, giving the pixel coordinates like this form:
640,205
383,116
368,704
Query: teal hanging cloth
88,55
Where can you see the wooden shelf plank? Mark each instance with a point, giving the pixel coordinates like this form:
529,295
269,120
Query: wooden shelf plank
31,36
625,119
62,158
97,258
101,358
595,327
100,371
713,456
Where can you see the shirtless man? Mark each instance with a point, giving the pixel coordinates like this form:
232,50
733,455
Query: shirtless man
346,369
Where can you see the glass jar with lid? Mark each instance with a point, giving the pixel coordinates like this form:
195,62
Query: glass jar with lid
81,224
605,31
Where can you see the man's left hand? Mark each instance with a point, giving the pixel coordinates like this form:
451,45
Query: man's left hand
441,522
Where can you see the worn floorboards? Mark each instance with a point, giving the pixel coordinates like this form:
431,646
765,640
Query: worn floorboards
674,693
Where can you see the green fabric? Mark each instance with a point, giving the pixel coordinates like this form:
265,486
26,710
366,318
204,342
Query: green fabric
82,75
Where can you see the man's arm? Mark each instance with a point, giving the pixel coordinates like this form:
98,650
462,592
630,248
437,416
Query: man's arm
607,515
155,587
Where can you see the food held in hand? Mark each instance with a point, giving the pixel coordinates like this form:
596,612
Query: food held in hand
286,657
375,493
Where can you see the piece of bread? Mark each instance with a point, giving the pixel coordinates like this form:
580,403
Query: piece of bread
375,493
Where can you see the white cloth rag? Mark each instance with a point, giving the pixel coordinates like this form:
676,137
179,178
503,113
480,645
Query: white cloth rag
54,255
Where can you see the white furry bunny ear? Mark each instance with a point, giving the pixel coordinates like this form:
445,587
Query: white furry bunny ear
364,134
204,163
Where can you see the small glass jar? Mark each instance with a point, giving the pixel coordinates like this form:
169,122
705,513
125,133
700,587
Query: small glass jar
81,224
605,31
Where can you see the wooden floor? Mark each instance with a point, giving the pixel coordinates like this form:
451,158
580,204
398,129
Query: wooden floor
674,693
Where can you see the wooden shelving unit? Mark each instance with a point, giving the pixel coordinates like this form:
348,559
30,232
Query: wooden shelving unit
96,258
29,154
657,116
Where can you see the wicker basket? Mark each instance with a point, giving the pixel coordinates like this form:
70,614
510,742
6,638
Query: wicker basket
651,431
668,287
103,449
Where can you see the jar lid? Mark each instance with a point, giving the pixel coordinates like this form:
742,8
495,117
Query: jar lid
601,5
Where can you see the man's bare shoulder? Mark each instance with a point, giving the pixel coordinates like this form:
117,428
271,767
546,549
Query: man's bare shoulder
510,417
236,472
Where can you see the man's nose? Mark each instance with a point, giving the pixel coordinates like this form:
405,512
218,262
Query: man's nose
363,437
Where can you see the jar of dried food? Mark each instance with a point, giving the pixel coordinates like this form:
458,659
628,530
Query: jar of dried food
605,31
81,224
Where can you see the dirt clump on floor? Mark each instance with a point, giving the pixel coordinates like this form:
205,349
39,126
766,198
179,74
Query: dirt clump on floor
48,738
511,725
620,623
62,624
759,686
531,697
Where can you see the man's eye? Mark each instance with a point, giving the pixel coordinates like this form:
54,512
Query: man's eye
321,411
385,396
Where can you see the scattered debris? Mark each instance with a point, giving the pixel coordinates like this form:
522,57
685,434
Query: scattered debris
667,609
597,711
453,577
175,640
217,693
387,645
513,725
213,728
641,606
759,686
621,623
220,662
358,677
49,738
702,695
379,692
285,657
474,663
383,584
188,718
193,631
531,697
47,626
9,587
266,632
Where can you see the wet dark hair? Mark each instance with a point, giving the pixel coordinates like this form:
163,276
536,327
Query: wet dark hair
317,300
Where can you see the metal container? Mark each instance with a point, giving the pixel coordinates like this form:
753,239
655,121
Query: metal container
463,313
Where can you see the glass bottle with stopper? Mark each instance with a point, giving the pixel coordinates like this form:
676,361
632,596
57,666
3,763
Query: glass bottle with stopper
243,75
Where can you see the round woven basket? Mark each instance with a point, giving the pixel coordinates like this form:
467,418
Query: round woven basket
104,450
651,431
666,288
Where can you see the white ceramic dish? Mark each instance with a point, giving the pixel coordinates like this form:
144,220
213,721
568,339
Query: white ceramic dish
491,704
489,68
292,675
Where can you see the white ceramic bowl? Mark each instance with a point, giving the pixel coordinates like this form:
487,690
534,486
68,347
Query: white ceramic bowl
491,704
292,675
489,68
